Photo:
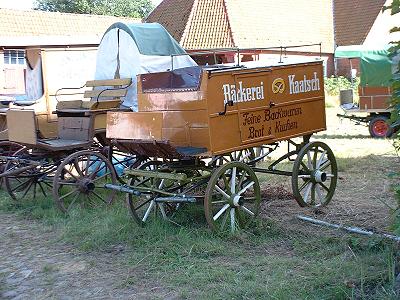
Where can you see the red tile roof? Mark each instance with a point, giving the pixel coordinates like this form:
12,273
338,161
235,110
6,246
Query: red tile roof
354,19
209,18
25,23
173,15
200,24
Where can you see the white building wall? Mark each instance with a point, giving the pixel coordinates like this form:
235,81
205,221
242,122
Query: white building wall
379,33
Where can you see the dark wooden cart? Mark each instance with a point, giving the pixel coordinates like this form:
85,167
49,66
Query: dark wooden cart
73,163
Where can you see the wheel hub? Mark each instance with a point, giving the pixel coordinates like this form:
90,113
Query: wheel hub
236,200
320,176
86,185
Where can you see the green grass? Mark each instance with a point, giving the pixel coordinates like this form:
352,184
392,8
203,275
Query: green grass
271,261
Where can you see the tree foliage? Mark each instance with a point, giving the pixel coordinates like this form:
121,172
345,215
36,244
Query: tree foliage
395,52
119,8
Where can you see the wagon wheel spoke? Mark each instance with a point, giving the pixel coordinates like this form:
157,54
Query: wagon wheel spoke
34,190
98,196
245,209
324,187
305,166
319,193
219,190
309,161
224,221
233,181
77,168
321,159
314,160
249,185
221,211
70,205
307,192
19,185
27,189
69,193
70,173
305,183
42,189
102,176
325,165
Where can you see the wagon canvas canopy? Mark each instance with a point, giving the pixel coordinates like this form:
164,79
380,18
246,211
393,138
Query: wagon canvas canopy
376,66
127,50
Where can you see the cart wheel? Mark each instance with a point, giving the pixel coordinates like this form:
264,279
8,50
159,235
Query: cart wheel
379,127
80,179
232,198
143,206
314,175
29,181
7,149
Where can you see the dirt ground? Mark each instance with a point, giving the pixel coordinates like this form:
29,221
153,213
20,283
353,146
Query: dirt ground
35,264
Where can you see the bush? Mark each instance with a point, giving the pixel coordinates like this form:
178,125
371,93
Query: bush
333,85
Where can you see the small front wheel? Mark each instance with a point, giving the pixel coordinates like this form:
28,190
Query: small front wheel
232,198
314,175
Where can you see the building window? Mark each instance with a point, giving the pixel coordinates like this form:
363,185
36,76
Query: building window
14,57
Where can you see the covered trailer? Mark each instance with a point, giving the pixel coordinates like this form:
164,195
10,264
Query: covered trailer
376,69
127,50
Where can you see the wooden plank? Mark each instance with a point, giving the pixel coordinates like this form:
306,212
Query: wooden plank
22,126
101,104
109,82
105,93
69,104
135,125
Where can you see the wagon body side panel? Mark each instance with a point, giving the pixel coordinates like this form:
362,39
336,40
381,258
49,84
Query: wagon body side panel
269,105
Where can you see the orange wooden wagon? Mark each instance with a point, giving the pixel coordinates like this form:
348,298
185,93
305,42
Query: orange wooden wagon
207,128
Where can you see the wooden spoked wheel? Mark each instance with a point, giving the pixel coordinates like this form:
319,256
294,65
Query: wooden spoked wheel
144,206
314,176
80,179
27,180
232,198
8,148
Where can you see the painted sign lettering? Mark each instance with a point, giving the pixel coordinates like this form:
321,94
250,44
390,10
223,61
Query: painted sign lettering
242,93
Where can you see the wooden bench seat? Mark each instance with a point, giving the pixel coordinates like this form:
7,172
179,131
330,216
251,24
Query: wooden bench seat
78,121
103,95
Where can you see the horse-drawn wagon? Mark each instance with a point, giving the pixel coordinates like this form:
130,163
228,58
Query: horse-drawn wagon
202,125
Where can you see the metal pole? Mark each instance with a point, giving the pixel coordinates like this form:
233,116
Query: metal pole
350,229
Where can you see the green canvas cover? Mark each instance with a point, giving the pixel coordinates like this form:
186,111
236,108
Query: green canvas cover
375,64
150,38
